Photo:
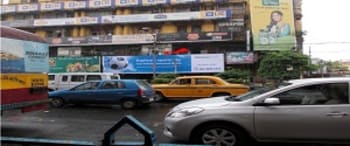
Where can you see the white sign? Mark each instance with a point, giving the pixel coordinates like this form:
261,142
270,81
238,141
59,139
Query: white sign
54,22
153,2
120,3
100,3
134,38
27,7
75,5
50,6
8,9
207,63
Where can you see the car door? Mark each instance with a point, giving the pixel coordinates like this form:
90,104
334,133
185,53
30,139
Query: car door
180,88
307,113
84,93
109,92
203,87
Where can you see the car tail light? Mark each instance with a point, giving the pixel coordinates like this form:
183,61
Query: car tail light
140,92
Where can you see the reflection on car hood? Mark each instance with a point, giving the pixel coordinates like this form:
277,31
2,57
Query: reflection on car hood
205,103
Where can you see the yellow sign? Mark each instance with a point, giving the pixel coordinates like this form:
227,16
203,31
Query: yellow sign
23,80
272,24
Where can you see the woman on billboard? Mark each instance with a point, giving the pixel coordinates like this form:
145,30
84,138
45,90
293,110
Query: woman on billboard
277,27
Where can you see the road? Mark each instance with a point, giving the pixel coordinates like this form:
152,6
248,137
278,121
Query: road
89,123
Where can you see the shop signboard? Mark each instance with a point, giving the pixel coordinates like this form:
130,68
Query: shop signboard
27,7
74,64
51,6
7,9
100,3
154,2
126,3
70,5
272,24
209,63
239,57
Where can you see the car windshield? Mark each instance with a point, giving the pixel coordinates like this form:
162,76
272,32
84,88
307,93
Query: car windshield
250,94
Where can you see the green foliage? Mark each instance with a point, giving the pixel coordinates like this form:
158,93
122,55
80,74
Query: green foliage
234,76
283,65
336,66
163,79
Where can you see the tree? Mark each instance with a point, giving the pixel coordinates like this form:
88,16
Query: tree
234,76
283,65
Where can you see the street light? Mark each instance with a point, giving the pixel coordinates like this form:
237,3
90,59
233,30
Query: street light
154,51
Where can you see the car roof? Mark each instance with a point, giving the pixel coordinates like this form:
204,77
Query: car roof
319,80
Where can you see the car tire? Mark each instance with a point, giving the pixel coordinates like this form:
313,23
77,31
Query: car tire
220,135
158,97
128,104
57,102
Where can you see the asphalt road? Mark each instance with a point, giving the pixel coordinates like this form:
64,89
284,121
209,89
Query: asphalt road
90,122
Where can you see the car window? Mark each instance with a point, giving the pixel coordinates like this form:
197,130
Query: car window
202,81
109,85
183,82
144,84
93,77
334,93
51,77
77,78
87,86
64,78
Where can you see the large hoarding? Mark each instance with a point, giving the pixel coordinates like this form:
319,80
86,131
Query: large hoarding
164,64
74,64
19,56
272,24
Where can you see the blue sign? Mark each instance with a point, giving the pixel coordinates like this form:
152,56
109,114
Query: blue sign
147,64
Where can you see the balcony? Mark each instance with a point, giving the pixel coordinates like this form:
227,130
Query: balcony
147,39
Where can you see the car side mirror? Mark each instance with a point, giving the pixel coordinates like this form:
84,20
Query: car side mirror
271,101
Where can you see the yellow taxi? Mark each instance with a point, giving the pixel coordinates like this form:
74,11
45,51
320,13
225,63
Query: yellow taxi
198,87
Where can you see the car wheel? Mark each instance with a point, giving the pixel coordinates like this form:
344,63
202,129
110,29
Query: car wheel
220,94
128,104
57,102
219,135
158,97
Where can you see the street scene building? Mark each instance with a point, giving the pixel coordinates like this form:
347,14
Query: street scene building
147,37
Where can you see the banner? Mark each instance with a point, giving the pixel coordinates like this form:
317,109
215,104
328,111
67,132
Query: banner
66,21
23,56
272,24
183,1
100,3
50,6
164,64
7,9
70,5
74,64
133,38
27,7
123,3
153,2
239,57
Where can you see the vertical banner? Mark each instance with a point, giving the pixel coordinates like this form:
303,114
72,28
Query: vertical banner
74,64
272,24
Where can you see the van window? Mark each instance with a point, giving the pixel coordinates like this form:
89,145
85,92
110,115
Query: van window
51,77
64,78
93,77
77,78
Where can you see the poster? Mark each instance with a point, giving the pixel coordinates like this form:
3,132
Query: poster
74,64
272,24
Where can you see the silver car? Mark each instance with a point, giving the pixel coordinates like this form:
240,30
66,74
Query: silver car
314,110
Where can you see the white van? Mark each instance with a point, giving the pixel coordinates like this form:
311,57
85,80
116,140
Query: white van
59,81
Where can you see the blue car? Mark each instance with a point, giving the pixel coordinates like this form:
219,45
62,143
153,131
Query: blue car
128,93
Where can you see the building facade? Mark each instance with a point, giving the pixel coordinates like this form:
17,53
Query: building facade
153,29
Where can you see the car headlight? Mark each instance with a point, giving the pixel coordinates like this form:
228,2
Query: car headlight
185,112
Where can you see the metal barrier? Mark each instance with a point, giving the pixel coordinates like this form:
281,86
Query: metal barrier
108,140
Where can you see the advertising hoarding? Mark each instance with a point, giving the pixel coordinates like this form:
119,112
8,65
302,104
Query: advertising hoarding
272,24
74,64
70,5
50,6
239,57
23,56
27,7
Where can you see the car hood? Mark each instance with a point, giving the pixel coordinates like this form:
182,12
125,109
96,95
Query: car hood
53,93
207,103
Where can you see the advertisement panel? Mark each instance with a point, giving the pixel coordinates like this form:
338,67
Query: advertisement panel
239,57
50,6
70,5
133,38
23,56
100,3
183,1
86,20
154,2
272,24
7,9
124,3
27,7
74,64
207,63
164,64
211,14
54,22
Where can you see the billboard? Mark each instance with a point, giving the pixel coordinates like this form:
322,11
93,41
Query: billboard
272,24
74,64
239,57
164,64
23,56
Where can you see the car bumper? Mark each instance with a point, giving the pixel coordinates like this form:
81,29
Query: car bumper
178,128
146,100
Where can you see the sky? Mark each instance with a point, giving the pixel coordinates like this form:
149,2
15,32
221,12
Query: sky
327,27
